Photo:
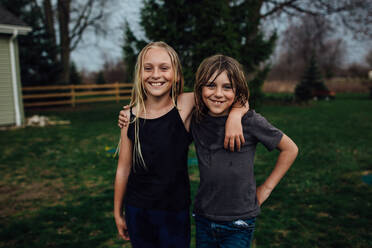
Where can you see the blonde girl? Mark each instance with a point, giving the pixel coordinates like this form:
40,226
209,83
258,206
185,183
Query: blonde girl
152,184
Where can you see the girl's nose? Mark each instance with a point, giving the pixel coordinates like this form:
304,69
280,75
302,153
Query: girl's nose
155,73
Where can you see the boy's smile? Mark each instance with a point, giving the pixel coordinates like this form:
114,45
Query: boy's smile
218,95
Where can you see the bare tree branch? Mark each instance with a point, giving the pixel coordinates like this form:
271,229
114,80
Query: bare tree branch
353,15
277,7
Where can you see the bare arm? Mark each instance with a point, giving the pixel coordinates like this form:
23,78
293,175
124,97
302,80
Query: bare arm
288,153
186,104
121,180
234,128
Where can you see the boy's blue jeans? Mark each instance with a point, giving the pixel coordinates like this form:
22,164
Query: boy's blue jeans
231,234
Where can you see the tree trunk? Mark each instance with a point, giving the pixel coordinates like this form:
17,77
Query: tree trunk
64,20
255,19
49,25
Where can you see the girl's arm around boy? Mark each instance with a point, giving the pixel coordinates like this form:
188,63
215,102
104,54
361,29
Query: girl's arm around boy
234,129
234,137
121,180
288,153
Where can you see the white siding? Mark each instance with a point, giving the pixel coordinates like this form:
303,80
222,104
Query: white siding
7,113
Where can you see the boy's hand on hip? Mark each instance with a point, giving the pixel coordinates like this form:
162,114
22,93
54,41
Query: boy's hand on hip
263,192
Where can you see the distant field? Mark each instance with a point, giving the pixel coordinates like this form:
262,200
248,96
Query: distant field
56,183
338,85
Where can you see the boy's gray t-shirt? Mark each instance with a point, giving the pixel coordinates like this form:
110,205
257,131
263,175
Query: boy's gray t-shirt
227,189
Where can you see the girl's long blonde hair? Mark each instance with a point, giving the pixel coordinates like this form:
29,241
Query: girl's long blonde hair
139,94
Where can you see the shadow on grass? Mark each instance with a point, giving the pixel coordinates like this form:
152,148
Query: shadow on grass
85,222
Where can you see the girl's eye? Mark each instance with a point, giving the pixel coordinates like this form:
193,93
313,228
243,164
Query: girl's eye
227,87
147,68
165,68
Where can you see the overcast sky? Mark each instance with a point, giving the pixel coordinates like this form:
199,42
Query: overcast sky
93,51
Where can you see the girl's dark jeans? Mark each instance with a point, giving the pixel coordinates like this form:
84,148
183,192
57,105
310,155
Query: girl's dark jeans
150,228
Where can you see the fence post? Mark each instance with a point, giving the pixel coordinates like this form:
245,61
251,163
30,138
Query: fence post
73,95
117,94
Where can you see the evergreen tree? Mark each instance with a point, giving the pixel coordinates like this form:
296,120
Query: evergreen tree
75,77
35,48
198,29
130,49
100,79
311,82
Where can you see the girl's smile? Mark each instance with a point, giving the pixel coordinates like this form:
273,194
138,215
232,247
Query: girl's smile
157,72
156,84
218,95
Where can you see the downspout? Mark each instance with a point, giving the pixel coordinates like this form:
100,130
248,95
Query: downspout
14,78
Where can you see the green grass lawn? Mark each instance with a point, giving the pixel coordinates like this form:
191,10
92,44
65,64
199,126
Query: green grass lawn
56,187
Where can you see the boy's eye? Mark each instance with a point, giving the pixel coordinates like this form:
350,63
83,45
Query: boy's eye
210,85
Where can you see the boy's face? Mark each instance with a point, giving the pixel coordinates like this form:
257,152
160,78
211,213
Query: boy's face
157,72
218,95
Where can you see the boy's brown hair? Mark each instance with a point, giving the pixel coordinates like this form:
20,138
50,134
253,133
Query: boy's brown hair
219,63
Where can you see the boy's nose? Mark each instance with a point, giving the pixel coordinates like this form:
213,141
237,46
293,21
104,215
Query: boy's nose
218,92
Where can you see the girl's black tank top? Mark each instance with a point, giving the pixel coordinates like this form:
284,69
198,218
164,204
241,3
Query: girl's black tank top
163,183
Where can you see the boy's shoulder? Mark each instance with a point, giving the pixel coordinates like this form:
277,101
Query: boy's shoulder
253,118
250,116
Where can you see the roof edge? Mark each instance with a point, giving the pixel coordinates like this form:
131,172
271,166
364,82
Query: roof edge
9,29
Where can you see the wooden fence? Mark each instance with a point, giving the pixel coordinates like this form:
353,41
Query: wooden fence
34,96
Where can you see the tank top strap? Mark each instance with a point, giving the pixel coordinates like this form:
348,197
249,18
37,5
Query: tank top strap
131,116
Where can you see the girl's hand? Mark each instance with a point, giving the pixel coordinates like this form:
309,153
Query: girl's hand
263,192
123,118
234,129
121,225
233,132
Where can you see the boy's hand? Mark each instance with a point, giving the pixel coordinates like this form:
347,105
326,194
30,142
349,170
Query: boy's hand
121,225
123,118
263,192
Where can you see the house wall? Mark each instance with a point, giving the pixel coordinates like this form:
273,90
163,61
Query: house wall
7,113
7,107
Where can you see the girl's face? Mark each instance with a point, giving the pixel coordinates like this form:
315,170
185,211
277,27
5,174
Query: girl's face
218,95
157,72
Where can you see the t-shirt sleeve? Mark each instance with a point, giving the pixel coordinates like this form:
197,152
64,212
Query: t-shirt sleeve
266,133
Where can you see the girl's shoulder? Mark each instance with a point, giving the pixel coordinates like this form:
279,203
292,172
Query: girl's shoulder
186,99
185,105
